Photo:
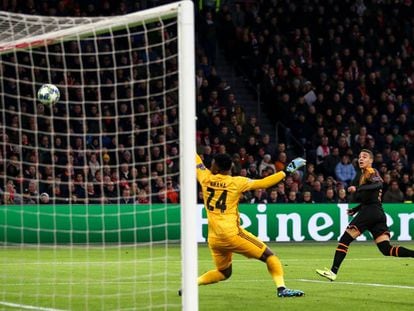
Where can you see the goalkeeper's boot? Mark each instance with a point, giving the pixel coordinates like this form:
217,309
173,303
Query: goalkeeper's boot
286,292
326,273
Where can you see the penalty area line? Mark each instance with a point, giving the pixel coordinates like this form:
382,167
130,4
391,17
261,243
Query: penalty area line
26,307
357,283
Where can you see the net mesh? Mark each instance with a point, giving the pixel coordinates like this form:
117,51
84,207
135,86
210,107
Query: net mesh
15,27
89,186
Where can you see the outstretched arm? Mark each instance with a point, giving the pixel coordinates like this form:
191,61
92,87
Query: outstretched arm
267,181
198,160
202,171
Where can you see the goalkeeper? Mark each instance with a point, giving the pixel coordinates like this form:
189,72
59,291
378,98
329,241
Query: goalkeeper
221,193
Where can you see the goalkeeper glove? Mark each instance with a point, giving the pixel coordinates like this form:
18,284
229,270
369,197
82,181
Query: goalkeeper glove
295,165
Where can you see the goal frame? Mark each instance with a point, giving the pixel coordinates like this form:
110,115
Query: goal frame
184,12
186,59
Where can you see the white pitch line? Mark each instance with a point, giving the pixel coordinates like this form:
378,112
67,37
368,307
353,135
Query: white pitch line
357,283
89,283
26,307
149,260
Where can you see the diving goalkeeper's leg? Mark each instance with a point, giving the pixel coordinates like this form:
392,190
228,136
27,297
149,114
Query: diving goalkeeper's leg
214,276
274,266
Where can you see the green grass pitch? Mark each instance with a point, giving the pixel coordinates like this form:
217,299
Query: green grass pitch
147,278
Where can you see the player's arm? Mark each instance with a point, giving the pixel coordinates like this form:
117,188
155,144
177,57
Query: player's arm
198,160
267,181
369,191
373,186
202,171
353,211
375,182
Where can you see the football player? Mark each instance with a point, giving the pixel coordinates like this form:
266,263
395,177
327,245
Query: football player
221,193
369,216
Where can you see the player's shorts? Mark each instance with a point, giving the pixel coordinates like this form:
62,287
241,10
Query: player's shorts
244,243
371,218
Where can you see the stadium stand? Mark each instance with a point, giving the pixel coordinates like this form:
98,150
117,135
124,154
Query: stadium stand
333,85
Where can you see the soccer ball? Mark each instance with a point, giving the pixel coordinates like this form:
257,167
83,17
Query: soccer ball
48,94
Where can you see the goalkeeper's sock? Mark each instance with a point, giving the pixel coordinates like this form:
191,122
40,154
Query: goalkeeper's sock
274,266
341,251
210,277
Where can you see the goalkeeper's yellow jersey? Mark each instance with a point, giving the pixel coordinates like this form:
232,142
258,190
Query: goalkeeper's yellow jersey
221,194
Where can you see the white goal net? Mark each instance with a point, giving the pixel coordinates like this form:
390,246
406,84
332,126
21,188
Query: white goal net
98,191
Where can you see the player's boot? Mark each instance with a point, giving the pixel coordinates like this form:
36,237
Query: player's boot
180,292
286,292
326,273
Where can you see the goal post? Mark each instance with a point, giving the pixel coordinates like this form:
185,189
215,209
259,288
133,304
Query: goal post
188,210
84,184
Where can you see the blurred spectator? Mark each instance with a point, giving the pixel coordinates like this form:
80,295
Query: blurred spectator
322,151
208,36
143,197
393,194
265,164
267,146
409,195
330,196
342,197
317,192
386,182
110,192
126,197
307,197
252,171
80,186
236,168
345,171
292,197
252,146
233,146
13,166
93,164
259,196
91,196
281,161
172,191
273,196
330,163
281,193
31,194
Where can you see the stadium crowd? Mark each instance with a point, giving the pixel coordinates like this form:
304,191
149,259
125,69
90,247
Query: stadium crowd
337,84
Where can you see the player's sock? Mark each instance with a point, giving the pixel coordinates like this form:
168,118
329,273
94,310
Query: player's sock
212,276
396,251
341,251
274,266
401,251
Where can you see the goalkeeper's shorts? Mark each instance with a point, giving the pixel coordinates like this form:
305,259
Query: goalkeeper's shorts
244,243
